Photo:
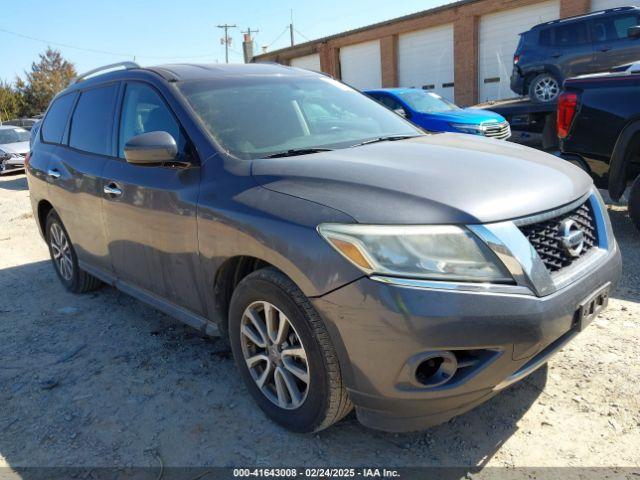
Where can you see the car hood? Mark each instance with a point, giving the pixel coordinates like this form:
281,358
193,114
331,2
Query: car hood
468,115
432,179
18,147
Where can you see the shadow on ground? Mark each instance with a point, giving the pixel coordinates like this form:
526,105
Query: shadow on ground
14,181
103,380
628,238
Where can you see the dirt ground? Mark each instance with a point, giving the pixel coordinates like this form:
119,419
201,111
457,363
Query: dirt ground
103,380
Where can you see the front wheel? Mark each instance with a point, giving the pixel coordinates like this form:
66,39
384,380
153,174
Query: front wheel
284,353
634,203
544,88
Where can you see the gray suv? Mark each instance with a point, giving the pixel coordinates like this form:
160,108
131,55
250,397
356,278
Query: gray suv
350,258
551,52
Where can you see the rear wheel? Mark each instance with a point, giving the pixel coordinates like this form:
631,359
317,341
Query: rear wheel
284,353
634,202
65,261
544,88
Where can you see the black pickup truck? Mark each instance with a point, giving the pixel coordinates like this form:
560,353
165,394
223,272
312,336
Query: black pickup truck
598,125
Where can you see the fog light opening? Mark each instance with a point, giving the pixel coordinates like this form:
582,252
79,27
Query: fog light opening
436,369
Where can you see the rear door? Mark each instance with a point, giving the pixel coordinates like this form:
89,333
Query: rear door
613,46
571,48
150,211
75,172
45,143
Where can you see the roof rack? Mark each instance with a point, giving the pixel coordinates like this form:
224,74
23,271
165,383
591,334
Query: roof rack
583,15
126,65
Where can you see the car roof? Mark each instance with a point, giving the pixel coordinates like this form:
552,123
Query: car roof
191,71
180,72
584,16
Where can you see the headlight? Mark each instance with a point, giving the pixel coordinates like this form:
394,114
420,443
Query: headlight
469,128
437,252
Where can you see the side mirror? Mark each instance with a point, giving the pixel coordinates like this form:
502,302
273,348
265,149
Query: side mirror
402,112
634,32
151,148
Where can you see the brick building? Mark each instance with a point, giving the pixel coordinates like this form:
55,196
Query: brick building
462,50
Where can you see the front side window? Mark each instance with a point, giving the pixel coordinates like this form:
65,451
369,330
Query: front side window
55,123
144,111
259,116
92,120
427,102
13,135
388,102
614,28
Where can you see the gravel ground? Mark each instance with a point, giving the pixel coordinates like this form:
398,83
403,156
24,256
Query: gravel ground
103,380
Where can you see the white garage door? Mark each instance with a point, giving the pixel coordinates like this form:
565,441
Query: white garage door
425,60
310,62
604,4
499,38
360,65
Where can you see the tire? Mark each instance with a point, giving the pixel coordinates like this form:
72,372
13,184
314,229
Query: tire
634,203
544,88
64,259
323,400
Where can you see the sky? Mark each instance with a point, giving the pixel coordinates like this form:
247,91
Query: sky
168,31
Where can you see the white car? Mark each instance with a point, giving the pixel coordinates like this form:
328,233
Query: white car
14,146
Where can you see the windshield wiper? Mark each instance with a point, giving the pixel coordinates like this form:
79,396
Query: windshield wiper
297,151
388,138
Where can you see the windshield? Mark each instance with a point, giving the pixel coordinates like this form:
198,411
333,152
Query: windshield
427,102
257,117
13,135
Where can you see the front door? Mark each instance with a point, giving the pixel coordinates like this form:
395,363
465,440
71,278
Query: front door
150,211
613,46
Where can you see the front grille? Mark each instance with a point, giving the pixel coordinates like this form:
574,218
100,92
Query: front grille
546,237
501,131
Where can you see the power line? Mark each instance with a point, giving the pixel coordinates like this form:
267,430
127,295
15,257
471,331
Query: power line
104,52
303,36
227,40
279,36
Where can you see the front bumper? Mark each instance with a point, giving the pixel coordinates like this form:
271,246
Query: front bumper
11,164
487,336
377,328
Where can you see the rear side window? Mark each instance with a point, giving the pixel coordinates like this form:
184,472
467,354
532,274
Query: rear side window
545,37
93,119
570,34
55,122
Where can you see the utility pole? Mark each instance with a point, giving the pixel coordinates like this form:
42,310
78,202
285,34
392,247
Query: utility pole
226,40
247,45
291,28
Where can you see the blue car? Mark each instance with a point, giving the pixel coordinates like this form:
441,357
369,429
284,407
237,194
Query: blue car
431,112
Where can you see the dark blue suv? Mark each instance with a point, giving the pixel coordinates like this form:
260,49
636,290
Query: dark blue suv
553,51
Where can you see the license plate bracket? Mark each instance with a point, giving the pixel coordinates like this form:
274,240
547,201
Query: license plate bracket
589,308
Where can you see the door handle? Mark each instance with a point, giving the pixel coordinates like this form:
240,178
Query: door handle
605,49
556,55
53,173
112,189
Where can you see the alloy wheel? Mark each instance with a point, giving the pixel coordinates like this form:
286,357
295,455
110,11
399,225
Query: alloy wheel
275,355
546,89
61,251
